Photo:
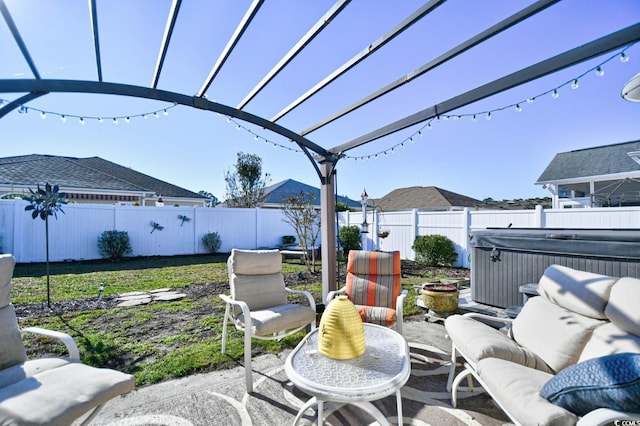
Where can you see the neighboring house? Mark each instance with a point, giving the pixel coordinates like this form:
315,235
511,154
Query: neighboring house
275,195
423,198
603,176
90,180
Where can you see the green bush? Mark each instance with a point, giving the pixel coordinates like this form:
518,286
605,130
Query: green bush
212,242
435,250
288,240
349,237
114,244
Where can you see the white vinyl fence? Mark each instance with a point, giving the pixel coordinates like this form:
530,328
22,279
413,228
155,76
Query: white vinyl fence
74,234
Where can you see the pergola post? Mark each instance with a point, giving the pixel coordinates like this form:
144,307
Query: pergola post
328,227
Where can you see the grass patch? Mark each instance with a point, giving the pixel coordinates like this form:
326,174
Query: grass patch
157,341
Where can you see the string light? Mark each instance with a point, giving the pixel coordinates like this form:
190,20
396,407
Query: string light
573,83
82,119
239,126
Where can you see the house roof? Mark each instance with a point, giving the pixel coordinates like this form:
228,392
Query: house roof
276,193
92,173
417,197
591,162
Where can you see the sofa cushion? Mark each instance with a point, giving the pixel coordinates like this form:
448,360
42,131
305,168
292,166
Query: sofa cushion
583,292
258,291
609,339
476,341
612,381
255,262
622,308
7,263
517,389
555,334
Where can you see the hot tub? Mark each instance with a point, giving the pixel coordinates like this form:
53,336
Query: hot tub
503,259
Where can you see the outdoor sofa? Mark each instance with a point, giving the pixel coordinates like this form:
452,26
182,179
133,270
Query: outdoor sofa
571,356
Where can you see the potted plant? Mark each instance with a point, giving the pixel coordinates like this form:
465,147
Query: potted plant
441,299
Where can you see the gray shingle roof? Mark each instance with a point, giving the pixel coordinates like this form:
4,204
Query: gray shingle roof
87,173
276,193
416,197
597,161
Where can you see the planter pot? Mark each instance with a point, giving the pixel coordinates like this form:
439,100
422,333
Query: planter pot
441,299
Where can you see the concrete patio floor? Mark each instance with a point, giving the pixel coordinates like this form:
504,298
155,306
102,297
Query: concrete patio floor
219,398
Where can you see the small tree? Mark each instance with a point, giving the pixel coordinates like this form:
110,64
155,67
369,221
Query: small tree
299,212
212,242
44,203
245,186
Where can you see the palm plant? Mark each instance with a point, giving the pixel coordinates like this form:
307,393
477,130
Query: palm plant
44,203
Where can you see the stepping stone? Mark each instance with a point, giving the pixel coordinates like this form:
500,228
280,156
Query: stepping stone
160,290
135,302
166,297
135,296
133,293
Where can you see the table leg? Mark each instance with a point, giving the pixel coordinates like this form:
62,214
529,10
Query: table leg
310,403
399,406
320,412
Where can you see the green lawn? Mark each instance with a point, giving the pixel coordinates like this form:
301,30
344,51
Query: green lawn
154,342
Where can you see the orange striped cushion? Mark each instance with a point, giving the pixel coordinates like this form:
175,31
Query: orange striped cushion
373,278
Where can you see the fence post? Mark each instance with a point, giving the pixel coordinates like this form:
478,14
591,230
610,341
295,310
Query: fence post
416,231
540,219
466,229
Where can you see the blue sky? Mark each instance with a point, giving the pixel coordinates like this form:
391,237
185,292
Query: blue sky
499,158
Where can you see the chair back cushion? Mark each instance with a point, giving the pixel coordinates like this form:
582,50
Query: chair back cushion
373,278
583,292
12,350
622,309
255,277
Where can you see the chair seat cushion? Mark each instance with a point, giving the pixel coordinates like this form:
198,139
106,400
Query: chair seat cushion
518,389
60,395
476,341
278,318
377,315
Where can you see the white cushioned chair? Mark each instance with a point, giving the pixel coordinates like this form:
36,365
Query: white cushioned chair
258,304
47,391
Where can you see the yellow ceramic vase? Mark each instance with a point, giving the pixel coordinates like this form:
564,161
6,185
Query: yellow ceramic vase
341,333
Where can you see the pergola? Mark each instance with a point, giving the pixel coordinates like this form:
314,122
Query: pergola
323,159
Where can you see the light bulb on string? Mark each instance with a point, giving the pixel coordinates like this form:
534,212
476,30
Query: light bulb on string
144,116
574,84
155,114
115,121
518,108
238,127
488,116
43,115
63,118
555,94
599,71
127,120
624,58
165,112
531,100
474,118
81,121
100,120
419,134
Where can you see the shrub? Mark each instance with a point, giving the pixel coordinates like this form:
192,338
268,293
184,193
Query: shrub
212,242
114,244
349,237
288,240
435,250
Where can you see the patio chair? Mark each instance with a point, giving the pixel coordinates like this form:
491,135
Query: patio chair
258,303
374,286
51,391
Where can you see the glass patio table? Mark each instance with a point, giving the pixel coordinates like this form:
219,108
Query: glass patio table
381,371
